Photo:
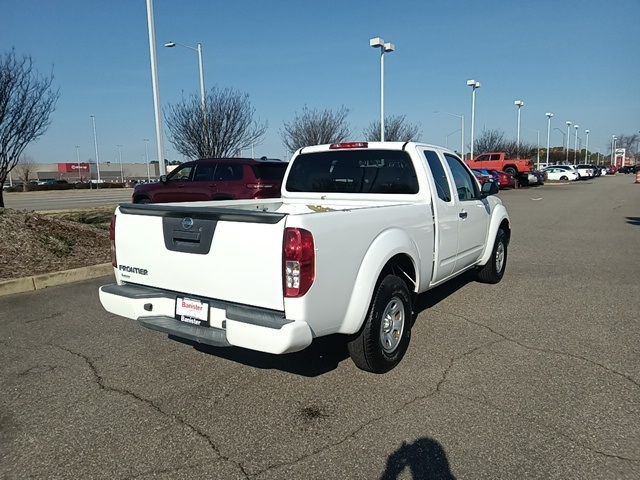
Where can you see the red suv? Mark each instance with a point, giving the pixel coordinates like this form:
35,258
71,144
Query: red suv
215,179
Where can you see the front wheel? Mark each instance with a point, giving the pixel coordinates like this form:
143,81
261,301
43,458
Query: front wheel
564,177
493,271
384,337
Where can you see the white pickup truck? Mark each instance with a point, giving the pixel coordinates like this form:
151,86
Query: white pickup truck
360,229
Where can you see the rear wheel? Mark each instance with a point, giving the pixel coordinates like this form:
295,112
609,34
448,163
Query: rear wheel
511,171
493,271
384,338
564,177
142,200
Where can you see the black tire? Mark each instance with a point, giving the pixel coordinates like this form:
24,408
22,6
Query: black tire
491,272
564,177
366,348
511,171
142,200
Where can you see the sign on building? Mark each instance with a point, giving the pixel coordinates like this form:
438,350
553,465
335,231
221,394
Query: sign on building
73,167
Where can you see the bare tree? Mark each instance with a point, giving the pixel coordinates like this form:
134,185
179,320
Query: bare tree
396,129
629,142
315,127
27,101
25,170
494,141
225,127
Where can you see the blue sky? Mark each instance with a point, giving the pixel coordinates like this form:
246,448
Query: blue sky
578,59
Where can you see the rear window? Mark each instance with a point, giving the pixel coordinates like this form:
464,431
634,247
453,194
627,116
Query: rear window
269,172
353,171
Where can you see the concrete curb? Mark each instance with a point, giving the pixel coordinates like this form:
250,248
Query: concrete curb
45,280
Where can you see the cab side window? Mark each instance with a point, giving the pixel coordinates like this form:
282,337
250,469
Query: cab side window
439,177
204,172
181,174
228,172
465,184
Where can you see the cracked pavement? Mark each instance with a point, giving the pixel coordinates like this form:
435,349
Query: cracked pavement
536,377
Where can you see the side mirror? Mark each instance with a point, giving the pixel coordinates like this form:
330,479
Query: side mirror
489,188
163,178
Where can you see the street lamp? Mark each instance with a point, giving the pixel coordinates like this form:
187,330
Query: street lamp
155,86
549,115
197,49
613,148
95,143
378,42
568,138
474,86
119,147
446,137
575,148
461,117
519,104
146,156
586,148
78,160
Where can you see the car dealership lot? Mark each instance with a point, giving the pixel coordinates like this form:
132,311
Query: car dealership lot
67,199
536,377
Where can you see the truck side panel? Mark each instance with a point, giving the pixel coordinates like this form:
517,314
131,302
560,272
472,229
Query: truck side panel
348,260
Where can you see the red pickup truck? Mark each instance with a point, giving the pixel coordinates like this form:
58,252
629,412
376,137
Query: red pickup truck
499,161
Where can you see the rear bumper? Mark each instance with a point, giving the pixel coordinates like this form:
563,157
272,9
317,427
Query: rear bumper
229,324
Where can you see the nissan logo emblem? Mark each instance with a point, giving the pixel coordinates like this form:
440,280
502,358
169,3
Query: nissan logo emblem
187,223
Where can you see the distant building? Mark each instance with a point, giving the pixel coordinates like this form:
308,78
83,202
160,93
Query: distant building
82,172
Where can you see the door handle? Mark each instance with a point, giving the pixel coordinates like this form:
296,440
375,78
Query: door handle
462,214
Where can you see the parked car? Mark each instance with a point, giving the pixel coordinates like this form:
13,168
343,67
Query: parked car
561,174
482,176
271,275
585,171
215,179
500,161
504,179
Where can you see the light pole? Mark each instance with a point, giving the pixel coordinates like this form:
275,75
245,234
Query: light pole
537,147
95,143
446,137
586,147
568,138
519,104
549,115
197,49
474,86
575,148
146,157
120,159
461,117
613,148
378,42
156,86
78,161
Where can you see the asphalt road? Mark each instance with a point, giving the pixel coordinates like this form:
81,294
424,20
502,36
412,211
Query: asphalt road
67,199
536,377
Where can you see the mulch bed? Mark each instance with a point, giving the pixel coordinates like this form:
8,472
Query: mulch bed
31,243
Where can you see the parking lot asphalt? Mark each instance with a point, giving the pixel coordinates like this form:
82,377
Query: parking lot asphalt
67,199
536,377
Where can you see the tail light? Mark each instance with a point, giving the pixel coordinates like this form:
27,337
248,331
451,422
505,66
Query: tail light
299,262
342,146
112,238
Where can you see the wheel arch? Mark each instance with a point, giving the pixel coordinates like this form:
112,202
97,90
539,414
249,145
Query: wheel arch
391,252
500,219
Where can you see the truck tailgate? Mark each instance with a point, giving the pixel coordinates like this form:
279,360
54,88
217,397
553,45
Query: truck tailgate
219,253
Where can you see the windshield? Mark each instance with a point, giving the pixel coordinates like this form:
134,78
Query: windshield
353,171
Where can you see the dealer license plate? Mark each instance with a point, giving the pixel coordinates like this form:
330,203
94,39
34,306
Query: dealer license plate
192,311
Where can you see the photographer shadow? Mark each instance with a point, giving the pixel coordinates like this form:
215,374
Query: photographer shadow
425,458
